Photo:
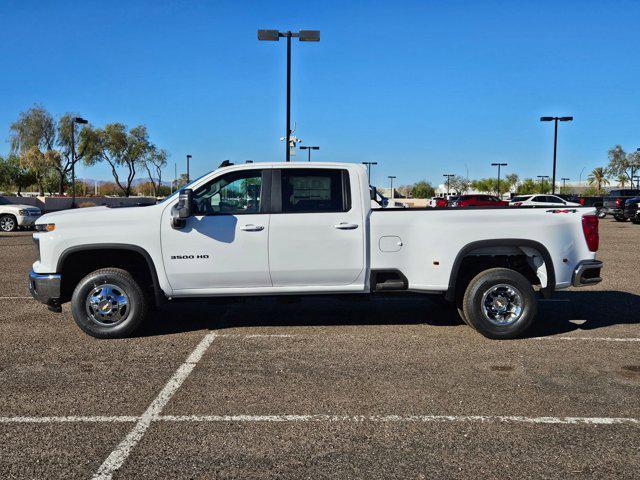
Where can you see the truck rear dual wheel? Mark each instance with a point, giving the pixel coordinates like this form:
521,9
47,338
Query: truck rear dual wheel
109,303
499,303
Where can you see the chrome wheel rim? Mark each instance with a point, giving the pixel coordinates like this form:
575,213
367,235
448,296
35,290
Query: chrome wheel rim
7,224
502,304
107,304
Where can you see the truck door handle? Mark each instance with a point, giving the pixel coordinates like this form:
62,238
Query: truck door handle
252,228
346,226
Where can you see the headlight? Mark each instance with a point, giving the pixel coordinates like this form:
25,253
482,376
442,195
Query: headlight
23,212
45,227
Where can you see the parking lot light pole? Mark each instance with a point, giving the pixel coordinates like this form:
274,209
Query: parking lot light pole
499,165
391,178
564,181
449,176
555,143
308,149
369,165
81,121
189,157
303,36
542,178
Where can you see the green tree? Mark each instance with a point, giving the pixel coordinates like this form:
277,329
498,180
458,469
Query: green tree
422,189
598,178
510,182
622,180
459,184
154,161
529,186
36,128
121,148
14,175
622,164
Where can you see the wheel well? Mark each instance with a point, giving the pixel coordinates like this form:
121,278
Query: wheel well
76,265
528,258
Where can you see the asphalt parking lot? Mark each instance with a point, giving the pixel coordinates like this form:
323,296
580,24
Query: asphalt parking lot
391,387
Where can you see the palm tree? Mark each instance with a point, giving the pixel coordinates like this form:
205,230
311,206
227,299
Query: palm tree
598,176
622,180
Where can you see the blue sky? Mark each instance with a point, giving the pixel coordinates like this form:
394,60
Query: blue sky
423,88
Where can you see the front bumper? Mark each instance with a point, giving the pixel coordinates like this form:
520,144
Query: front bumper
27,220
45,287
586,273
612,210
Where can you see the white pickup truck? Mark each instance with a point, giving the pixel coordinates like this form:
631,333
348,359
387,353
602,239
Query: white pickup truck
294,228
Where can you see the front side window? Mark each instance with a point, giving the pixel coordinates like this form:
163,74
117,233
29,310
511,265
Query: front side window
236,193
314,190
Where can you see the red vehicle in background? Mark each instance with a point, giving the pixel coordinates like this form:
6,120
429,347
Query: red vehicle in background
479,201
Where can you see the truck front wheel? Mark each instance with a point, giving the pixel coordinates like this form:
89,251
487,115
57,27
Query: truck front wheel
500,303
109,303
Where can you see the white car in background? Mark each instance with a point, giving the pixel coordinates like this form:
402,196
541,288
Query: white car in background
14,215
541,201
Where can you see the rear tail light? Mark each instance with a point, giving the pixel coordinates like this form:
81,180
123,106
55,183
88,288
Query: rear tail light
590,230
582,201
618,202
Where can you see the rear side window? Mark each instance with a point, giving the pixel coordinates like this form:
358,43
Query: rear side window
519,199
308,190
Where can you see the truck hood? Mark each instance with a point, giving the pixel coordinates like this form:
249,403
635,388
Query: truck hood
71,214
18,206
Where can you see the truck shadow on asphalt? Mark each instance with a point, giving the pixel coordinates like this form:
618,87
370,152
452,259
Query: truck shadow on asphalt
569,311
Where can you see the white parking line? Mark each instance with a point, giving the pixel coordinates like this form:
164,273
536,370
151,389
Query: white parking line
318,418
403,419
118,456
70,419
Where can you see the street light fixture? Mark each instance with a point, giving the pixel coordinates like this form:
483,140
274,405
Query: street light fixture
391,177
499,165
369,165
564,181
80,121
189,157
555,143
302,147
303,36
542,178
449,177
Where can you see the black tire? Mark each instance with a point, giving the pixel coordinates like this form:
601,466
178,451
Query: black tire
502,283
619,218
8,223
115,284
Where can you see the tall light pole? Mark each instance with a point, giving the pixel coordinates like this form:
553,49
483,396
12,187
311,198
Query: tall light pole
308,149
189,157
555,143
81,121
542,178
564,181
369,165
303,36
449,176
391,177
499,165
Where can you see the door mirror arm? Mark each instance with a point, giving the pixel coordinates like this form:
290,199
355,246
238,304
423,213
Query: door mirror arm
182,210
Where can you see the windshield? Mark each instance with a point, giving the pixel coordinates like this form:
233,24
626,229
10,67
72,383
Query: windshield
177,192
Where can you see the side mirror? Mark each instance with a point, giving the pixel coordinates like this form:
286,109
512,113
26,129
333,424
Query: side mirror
373,191
183,209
